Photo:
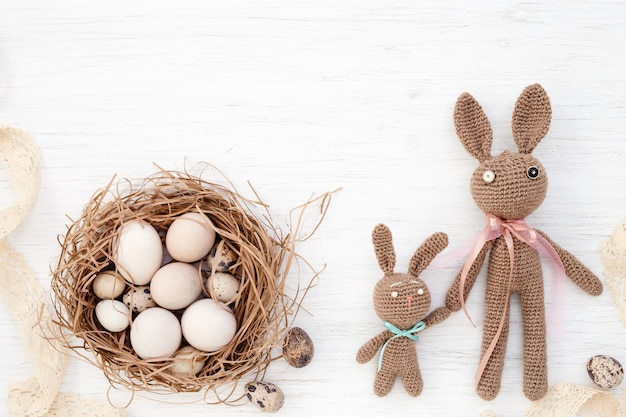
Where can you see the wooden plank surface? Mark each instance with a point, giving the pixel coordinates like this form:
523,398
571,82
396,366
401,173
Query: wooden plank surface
303,97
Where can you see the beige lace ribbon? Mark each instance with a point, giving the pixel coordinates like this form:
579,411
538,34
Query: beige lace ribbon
24,297
614,261
568,400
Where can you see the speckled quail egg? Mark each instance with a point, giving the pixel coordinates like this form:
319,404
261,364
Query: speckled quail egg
298,348
223,286
605,371
221,257
265,396
139,299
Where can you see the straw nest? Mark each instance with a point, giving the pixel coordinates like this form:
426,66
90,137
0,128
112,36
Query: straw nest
263,308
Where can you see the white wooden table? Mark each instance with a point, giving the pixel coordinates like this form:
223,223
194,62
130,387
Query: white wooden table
304,97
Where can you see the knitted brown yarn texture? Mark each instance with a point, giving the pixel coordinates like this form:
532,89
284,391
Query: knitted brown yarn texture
511,186
402,301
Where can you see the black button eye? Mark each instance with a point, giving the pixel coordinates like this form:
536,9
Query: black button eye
532,172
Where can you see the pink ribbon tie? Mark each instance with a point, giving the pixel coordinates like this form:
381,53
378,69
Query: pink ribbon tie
508,229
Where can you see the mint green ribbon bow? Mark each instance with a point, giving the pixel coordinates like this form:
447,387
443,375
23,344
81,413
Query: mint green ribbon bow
400,333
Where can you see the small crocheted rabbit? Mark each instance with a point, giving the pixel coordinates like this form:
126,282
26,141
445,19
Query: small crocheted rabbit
509,187
402,301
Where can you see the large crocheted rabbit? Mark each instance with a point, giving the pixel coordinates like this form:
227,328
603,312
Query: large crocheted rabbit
402,301
509,187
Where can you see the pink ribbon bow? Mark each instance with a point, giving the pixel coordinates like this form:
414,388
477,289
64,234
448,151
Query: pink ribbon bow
508,229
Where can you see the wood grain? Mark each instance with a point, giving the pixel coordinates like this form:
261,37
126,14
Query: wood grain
300,98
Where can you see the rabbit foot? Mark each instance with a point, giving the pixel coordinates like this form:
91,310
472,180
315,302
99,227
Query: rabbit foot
536,390
487,392
414,388
383,384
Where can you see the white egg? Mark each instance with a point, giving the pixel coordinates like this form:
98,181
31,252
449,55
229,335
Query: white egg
113,315
176,285
137,251
208,325
188,361
223,286
155,333
190,237
108,285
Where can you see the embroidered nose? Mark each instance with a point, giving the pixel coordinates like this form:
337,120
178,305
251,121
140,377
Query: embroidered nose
408,300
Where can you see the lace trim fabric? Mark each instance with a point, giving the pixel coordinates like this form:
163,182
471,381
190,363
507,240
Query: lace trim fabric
614,261
24,298
568,400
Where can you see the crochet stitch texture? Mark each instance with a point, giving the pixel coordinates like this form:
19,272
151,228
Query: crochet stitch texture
511,186
402,301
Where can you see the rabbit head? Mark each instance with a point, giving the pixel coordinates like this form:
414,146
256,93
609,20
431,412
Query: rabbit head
513,184
403,299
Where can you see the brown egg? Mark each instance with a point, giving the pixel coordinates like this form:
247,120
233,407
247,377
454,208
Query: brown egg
298,349
265,396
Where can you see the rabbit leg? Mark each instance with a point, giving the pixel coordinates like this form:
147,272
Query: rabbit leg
412,379
383,382
535,356
496,299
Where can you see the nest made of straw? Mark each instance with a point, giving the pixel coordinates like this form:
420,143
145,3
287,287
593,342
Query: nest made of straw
262,308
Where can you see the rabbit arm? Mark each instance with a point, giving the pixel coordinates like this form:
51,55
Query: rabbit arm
437,316
453,301
579,273
369,349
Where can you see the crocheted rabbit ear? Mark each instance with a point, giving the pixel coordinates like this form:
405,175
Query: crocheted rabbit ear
531,118
426,252
383,246
473,127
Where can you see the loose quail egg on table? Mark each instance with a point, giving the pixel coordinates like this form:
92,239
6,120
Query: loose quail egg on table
265,396
606,372
298,349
